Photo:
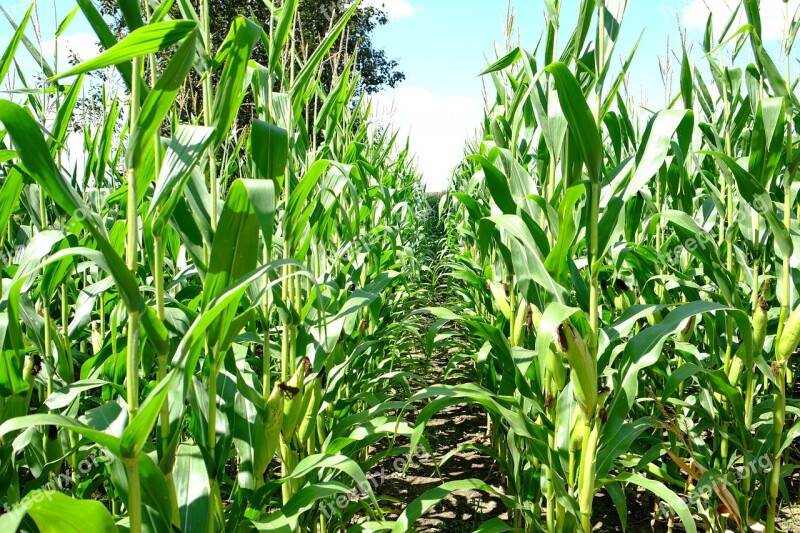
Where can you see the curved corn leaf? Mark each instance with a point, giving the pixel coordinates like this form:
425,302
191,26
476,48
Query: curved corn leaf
140,42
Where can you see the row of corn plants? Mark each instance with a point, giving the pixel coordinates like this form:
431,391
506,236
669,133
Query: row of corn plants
629,277
202,325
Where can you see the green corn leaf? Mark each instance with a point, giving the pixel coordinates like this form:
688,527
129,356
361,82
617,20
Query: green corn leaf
55,274
434,496
268,148
331,112
504,62
624,438
191,485
768,132
131,13
753,11
11,382
528,262
285,16
34,154
655,145
300,194
141,42
9,196
184,151
103,439
579,35
341,463
771,72
300,92
65,113
8,54
567,231
498,186
54,512
580,118
32,49
675,502
243,37
699,243
66,21
759,199
162,11
687,83
642,351
39,165
105,36
306,499
157,106
249,207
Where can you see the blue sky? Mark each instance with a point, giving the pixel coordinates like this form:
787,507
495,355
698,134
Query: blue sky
442,46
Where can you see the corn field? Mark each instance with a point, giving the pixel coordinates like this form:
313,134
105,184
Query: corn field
210,326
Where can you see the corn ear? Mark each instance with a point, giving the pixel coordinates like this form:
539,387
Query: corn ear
534,318
309,422
577,430
273,418
500,298
685,334
623,301
557,370
760,325
53,450
293,406
654,318
519,323
790,337
584,374
736,368
97,339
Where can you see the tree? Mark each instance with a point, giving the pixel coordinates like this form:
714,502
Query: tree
377,71
315,18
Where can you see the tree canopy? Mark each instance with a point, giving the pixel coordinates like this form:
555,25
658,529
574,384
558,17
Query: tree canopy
315,17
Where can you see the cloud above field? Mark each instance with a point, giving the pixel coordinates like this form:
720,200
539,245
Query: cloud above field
84,45
395,9
438,124
694,15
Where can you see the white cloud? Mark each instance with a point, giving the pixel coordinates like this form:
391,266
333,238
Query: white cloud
437,124
694,15
82,44
395,9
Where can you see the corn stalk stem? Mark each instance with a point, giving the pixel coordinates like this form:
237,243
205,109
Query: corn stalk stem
587,461
134,494
48,350
132,257
216,366
288,347
779,369
729,265
208,94
586,474
164,450
779,421
134,318
266,357
551,490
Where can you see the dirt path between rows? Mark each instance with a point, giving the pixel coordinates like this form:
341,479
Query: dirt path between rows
461,511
